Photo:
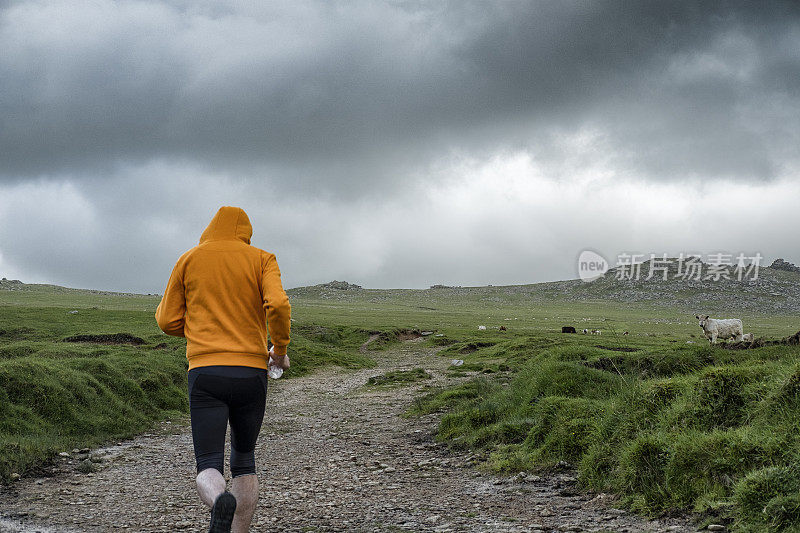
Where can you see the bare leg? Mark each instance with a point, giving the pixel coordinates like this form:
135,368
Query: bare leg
210,484
245,490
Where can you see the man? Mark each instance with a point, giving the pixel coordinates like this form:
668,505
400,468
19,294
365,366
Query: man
222,295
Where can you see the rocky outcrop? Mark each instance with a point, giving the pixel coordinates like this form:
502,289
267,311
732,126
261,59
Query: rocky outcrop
341,286
781,264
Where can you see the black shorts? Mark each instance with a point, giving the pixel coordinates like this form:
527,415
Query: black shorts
222,394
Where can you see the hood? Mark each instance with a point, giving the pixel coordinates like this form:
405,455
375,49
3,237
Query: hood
229,224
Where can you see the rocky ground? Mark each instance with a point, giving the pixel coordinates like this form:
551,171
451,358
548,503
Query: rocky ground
334,455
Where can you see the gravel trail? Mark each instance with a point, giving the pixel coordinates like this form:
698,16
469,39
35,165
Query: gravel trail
333,455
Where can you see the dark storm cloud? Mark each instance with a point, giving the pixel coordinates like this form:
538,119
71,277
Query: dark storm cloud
366,140
343,95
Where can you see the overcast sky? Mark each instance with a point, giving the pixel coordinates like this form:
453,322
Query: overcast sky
394,144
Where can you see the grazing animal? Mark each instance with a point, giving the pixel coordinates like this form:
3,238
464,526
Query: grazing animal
596,332
748,337
481,328
585,331
721,328
626,333
568,329
503,328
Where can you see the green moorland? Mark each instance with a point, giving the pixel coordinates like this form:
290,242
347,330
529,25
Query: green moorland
657,416
57,394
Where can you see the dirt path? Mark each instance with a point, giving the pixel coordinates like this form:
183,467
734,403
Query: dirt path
364,348
333,456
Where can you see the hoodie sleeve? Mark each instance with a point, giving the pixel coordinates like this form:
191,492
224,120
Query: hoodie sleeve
171,312
276,303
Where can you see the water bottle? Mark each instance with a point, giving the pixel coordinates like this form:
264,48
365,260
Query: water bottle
274,371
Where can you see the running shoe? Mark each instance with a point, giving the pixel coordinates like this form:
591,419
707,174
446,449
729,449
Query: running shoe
222,513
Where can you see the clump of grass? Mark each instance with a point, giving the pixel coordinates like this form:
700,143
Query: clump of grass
441,341
329,346
399,377
49,405
18,349
347,338
562,428
482,367
642,472
15,333
454,397
393,336
770,498
720,399
542,410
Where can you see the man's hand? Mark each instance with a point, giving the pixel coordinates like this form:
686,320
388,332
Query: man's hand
281,361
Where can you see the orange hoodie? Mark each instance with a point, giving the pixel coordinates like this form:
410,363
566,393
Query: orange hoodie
222,294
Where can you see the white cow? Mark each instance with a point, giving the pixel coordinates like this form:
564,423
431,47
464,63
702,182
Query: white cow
748,337
721,328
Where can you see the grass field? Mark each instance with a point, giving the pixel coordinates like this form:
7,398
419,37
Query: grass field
657,416
56,395
671,428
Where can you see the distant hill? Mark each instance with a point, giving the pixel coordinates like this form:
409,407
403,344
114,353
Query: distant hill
776,290
781,264
17,285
